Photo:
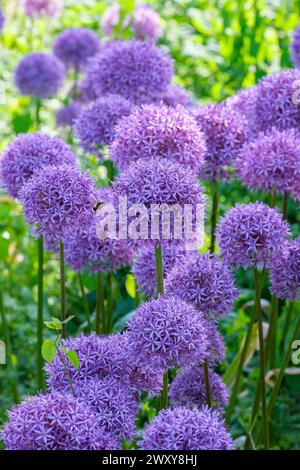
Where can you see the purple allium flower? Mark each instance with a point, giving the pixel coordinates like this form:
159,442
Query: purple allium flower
103,356
285,271
55,422
144,268
225,133
54,197
137,70
271,162
2,20
110,19
42,7
277,101
177,95
188,389
84,250
75,46
295,47
28,153
96,123
216,347
39,75
146,23
243,103
251,234
167,332
203,281
113,402
67,115
185,429
157,131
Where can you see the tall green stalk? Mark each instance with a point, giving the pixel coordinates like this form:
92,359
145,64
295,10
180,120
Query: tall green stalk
63,315
286,326
285,206
99,304
40,316
109,304
85,303
214,216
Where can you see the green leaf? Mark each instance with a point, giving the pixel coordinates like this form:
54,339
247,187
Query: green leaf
48,350
73,358
130,285
54,324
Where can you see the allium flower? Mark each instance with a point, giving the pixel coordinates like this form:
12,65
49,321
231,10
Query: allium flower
137,70
271,162
146,23
243,103
28,153
55,422
113,402
144,268
156,131
96,124
295,47
54,197
285,271
67,115
188,389
185,429
167,332
42,7
216,347
277,101
203,281
75,46
251,234
176,95
225,133
106,356
110,19
84,250
2,20
39,75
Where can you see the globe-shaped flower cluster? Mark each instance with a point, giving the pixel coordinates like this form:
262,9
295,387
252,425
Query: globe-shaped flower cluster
146,23
36,8
67,115
285,272
177,95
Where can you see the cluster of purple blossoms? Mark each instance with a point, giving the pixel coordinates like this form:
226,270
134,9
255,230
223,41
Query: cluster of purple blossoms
271,162
216,347
285,272
226,133
251,235
2,20
75,46
42,7
203,281
243,103
110,19
146,23
295,48
28,153
144,268
136,70
55,422
95,126
67,115
167,332
185,429
176,95
54,197
39,75
188,389
156,131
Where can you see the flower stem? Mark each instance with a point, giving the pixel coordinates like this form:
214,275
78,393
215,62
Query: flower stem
99,304
62,289
214,214
286,326
272,336
38,106
40,372
163,400
109,307
85,303
207,384
285,206
66,370
159,270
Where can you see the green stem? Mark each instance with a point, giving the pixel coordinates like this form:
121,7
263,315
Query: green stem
99,304
273,199
109,307
286,326
214,215
159,270
62,289
164,400
272,336
285,206
40,372
207,384
38,106
85,303
66,370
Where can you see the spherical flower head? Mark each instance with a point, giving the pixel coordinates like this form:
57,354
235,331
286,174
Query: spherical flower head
85,250
37,8
54,197
177,95
251,235
28,153
67,115
55,422
216,347
167,332
188,389
144,268
95,126
39,75
2,20
113,402
146,23
148,71
185,429
225,133
295,47
156,131
110,19
101,357
75,46
285,272
271,162
203,281
85,91
158,186
277,103
243,103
